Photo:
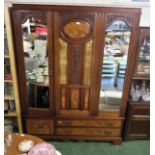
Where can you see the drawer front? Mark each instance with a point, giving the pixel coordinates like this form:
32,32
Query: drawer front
89,123
88,132
141,110
39,126
139,127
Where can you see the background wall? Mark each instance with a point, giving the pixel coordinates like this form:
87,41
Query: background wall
145,6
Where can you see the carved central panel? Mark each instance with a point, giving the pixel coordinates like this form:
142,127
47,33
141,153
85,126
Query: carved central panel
76,64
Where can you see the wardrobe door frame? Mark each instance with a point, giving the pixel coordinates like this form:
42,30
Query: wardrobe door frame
132,19
18,16
57,93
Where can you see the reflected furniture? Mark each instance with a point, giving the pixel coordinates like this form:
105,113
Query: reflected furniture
137,124
87,54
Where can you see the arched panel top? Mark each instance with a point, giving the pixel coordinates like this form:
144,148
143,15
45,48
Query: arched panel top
127,18
118,25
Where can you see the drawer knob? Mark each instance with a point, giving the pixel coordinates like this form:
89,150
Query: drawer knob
108,133
109,124
59,122
67,123
66,132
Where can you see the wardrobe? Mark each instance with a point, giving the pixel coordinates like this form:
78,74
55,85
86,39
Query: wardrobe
75,65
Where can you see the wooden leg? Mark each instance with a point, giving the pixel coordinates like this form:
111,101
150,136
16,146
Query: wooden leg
117,142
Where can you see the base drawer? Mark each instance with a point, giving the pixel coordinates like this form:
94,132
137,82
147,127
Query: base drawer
88,132
89,123
39,126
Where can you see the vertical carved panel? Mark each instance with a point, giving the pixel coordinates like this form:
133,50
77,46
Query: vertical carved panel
75,98
63,98
75,64
63,61
86,99
87,62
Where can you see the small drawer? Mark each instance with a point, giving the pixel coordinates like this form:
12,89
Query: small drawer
39,126
141,110
89,123
88,132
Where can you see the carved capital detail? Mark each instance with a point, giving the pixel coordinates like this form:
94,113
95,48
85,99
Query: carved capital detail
24,15
89,17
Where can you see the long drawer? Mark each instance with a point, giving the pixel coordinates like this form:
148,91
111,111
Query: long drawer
89,123
39,126
88,132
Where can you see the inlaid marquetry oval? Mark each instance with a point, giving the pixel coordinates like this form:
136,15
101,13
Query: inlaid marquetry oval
77,29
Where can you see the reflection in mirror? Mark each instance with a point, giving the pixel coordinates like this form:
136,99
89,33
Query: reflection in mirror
36,62
117,39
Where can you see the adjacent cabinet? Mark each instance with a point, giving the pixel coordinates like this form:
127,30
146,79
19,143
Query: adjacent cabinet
75,67
137,124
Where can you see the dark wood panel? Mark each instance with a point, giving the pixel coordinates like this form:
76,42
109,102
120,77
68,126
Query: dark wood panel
137,124
75,64
139,129
39,126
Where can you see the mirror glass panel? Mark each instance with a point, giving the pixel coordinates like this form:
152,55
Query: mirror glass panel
117,39
36,62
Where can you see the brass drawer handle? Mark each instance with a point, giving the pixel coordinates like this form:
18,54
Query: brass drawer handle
108,133
109,124
41,126
64,123
60,122
67,123
66,132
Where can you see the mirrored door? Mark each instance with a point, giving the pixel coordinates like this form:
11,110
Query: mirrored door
34,34
115,56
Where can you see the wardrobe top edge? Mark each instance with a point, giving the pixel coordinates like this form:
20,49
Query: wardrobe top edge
74,8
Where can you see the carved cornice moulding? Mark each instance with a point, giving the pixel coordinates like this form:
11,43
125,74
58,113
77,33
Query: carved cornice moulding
110,3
